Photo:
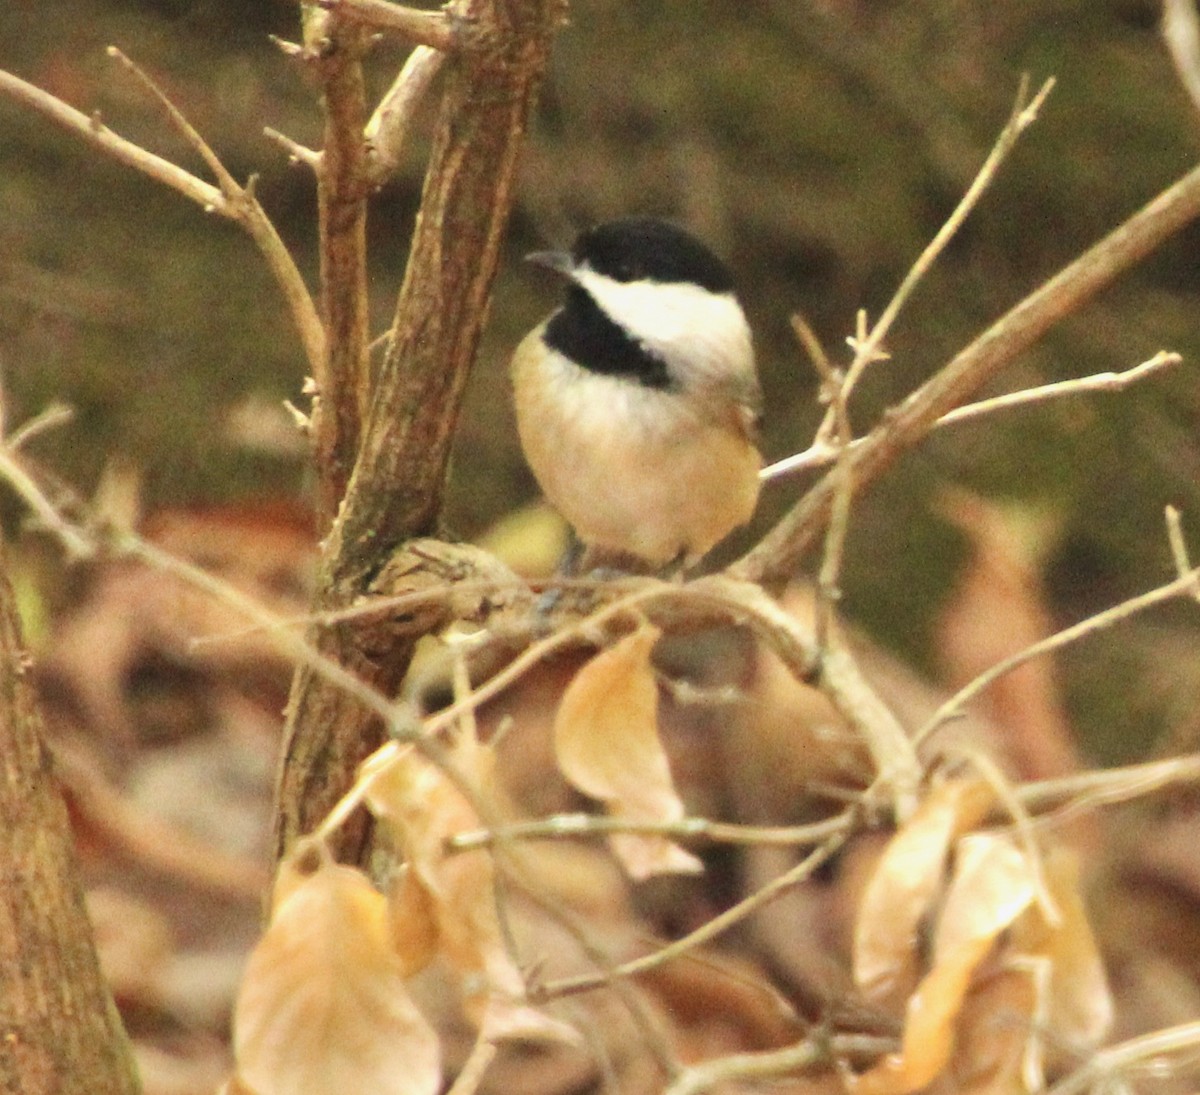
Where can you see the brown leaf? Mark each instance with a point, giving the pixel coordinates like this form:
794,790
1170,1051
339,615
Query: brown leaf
1078,1011
997,609
994,883
449,901
607,744
904,885
323,1008
412,916
992,1040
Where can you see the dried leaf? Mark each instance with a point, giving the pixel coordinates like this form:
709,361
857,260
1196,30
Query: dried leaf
1079,1010
994,883
992,1040
323,1008
904,885
412,915
449,901
607,744
998,608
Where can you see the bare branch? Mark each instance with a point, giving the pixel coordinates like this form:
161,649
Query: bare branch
387,131
777,556
243,207
1097,382
297,153
77,545
735,914
394,487
55,415
1148,1053
182,126
436,29
101,137
1109,787
776,1064
1023,116
229,199
572,826
1185,585
821,452
470,1076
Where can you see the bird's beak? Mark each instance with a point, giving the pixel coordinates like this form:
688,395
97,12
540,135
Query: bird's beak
558,261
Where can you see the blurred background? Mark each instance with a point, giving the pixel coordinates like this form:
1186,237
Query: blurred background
817,144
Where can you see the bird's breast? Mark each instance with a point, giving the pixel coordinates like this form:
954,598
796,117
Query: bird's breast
643,471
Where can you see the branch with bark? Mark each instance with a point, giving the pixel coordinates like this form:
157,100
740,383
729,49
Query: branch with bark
61,1028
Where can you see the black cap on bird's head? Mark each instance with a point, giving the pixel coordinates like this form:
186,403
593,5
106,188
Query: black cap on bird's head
641,249
647,301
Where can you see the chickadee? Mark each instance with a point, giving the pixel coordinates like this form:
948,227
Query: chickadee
638,401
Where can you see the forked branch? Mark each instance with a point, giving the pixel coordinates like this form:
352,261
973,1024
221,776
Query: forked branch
229,199
777,557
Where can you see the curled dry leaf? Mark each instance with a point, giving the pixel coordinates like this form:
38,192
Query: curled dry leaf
904,886
446,904
323,1008
1078,1010
607,744
994,883
1050,998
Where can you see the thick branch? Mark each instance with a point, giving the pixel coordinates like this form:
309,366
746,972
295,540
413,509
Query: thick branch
342,394
61,1031
777,557
395,491
436,29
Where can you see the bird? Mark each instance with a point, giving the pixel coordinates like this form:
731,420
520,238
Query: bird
638,401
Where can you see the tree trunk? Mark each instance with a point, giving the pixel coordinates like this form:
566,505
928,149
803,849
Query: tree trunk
59,1029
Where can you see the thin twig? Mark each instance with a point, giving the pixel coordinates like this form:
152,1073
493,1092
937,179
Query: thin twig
1179,551
1022,117
538,652
1010,802
243,207
228,184
816,1051
470,1076
829,575
1110,786
297,152
821,452
1149,1052
1184,585
868,345
777,555
569,986
101,137
76,544
1097,382
690,828
237,204
55,415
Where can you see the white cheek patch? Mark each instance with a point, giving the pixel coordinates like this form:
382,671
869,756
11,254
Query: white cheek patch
699,334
